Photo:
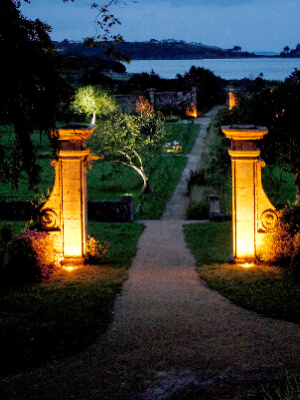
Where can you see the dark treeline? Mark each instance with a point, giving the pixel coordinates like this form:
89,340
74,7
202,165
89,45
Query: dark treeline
154,50
291,53
276,106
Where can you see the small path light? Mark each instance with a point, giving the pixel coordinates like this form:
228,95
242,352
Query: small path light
247,265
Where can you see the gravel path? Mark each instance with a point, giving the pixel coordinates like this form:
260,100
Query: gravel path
177,205
171,337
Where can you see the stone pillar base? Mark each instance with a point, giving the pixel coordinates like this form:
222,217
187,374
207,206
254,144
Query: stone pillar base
73,261
244,260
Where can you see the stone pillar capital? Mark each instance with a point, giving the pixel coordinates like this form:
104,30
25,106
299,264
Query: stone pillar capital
244,132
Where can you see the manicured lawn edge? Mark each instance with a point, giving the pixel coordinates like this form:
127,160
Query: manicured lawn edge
48,321
271,291
109,181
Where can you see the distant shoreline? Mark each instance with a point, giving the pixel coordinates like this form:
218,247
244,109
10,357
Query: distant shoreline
169,50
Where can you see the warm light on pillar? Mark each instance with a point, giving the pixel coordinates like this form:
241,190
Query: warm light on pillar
65,212
252,212
231,99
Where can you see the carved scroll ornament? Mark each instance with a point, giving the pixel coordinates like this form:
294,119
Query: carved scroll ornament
49,220
269,219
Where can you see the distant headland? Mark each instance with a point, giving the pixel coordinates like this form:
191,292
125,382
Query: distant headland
170,49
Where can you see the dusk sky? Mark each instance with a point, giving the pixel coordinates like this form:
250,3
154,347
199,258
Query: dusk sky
255,25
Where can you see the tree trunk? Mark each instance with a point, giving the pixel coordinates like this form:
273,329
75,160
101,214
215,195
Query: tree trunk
146,187
93,121
142,174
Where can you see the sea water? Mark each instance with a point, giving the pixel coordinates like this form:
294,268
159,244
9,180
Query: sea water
237,68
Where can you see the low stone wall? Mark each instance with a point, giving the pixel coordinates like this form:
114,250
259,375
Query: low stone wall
180,101
17,210
98,210
177,100
128,102
112,210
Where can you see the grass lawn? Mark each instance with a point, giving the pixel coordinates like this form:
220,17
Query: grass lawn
271,291
62,316
214,177
110,181
279,186
43,322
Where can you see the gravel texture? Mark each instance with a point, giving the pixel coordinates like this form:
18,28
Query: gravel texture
171,337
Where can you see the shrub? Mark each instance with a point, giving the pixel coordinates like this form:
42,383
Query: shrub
282,244
6,234
291,214
196,178
33,257
286,390
197,210
95,250
278,243
172,118
295,263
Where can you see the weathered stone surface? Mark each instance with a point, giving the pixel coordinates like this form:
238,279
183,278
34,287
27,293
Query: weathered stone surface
250,205
112,210
176,100
68,200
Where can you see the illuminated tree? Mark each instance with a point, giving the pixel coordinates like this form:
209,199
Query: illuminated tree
33,95
130,140
92,100
121,137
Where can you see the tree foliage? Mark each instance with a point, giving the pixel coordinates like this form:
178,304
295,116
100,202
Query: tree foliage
33,95
210,88
123,138
131,140
92,100
287,52
104,22
276,108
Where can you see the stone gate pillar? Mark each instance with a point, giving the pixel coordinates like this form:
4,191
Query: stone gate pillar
152,96
231,99
65,212
252,212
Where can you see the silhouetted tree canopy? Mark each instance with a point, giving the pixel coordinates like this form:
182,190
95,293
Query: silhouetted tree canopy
33,95
210,88
104,21
276,108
